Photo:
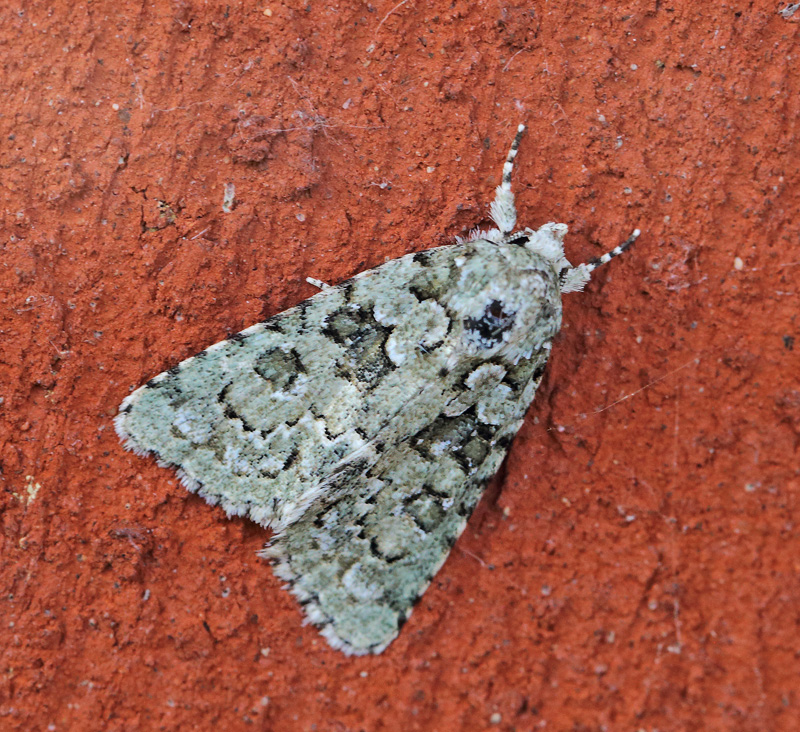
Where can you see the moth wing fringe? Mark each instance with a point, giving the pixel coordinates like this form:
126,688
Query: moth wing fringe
313,612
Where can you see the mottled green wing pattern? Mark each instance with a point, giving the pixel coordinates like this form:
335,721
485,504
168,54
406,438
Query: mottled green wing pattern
363,553
257,422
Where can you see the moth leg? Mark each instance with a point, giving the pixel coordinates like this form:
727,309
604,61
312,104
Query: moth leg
502,210
318,283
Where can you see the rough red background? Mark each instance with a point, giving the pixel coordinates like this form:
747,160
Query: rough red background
634,567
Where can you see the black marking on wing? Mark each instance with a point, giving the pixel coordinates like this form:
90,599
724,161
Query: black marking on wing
278,367
487,330
363,338
230,412
422,258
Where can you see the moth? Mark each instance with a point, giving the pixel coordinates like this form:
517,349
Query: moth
362,425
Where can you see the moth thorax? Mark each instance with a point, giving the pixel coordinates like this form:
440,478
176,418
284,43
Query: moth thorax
548,242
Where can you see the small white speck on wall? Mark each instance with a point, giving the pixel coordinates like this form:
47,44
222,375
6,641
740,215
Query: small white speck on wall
228,197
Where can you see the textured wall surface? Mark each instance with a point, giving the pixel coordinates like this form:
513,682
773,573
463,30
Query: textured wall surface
635,564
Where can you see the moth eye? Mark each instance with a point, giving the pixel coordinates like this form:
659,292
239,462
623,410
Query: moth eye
487,330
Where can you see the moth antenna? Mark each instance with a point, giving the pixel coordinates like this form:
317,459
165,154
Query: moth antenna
574,279
502,210
593,264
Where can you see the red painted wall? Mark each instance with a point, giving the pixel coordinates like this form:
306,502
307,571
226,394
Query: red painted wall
634,566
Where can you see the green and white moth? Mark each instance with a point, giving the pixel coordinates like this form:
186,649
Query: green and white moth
362,425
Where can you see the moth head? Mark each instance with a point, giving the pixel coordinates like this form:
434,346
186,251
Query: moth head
548,243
